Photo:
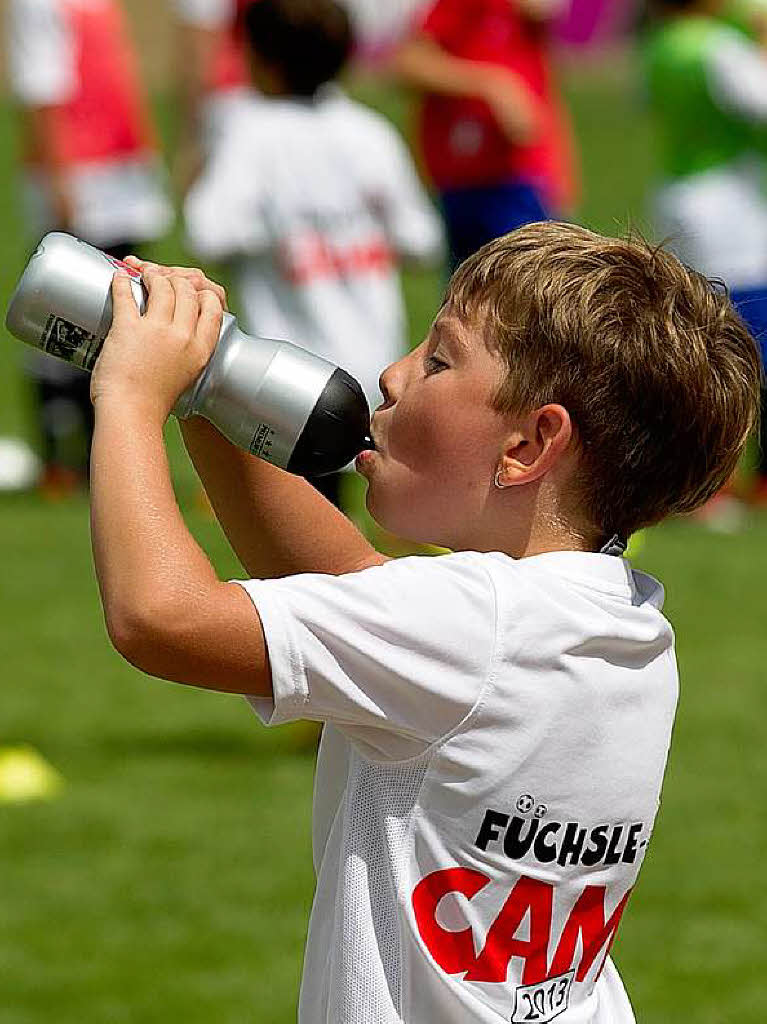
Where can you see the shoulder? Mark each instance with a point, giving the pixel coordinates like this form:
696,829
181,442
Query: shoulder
430,568
353,116
444,596
371,141
437,579
254,123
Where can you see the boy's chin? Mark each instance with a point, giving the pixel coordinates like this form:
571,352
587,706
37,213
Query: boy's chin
400,526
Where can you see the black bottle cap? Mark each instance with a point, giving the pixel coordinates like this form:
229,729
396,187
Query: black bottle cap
337,430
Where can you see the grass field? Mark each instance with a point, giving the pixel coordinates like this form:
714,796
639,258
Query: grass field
171,880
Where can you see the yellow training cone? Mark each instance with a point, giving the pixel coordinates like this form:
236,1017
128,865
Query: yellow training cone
26,775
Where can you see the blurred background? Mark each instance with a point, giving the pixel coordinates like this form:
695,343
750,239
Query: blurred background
155,841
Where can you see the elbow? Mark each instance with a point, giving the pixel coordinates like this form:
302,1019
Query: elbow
134,634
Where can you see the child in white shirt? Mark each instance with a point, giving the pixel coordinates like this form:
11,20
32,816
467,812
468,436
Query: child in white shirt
92,167
314,197
498,718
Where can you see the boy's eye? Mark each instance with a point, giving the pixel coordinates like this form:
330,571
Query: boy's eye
433,365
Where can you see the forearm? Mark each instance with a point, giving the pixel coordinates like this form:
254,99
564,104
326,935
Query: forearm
424,65
165,608
277,523
145,558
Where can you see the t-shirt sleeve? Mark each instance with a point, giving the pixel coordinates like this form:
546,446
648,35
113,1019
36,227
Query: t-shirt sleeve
399,199
225,210
396,656
41,55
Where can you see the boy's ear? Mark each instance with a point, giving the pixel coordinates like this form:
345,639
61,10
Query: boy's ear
535,445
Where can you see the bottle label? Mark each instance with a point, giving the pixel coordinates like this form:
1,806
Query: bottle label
262,442
66,340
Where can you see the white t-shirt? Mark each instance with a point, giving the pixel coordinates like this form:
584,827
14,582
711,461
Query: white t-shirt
115,200
487,785
316,200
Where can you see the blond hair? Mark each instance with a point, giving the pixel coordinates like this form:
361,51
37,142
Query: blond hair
658,372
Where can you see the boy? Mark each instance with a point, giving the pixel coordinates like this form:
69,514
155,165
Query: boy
315,198
92,168
708,91
493,134
498,718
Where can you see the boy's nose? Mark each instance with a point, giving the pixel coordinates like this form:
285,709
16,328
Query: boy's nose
392,380
386,383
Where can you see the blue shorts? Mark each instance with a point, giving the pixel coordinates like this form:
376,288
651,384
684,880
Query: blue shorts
476,215
751,303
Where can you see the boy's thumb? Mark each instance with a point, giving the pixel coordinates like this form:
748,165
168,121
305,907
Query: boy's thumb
123,300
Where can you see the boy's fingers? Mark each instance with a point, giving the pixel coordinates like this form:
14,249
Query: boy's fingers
218,291
192,274
209,322
201,282
123,299
162,299
187,305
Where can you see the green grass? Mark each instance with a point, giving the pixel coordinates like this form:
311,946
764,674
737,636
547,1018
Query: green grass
171,880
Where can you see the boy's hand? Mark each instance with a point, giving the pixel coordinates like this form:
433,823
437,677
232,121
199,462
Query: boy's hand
515,107
150,360
196,278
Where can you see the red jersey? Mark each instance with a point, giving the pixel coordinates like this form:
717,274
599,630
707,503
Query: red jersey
229,68
462,143
101,114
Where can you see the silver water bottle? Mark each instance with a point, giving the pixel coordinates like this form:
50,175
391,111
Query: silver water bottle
271,398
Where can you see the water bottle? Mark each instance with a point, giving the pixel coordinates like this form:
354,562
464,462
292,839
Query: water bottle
271,398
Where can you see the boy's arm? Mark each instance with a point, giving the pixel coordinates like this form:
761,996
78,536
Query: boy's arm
224,210
423,64
277,523
166,611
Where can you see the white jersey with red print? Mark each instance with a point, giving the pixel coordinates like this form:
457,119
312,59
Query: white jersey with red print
75,57
487,783
317,201
377,27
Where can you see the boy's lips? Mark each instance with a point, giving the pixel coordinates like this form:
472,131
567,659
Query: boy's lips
368,453
364,459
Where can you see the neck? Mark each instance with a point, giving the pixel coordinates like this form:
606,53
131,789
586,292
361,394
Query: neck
526,521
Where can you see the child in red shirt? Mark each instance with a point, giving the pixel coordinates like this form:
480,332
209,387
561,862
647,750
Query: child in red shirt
91,167
494,137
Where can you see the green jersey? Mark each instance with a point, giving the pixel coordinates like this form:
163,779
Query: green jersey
696,134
